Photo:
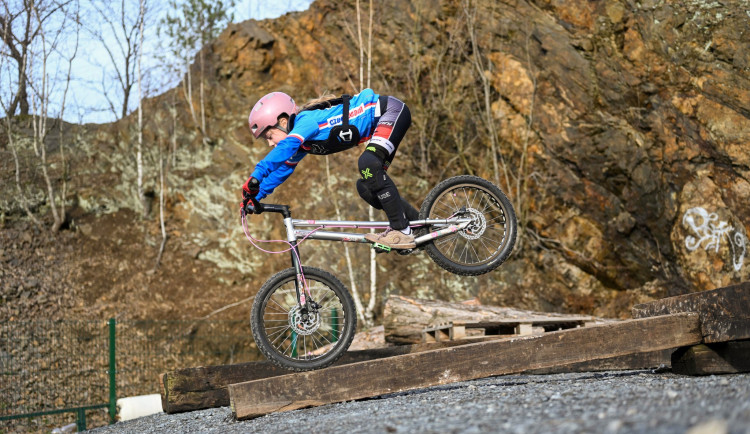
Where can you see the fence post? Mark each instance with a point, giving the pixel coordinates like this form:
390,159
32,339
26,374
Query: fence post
81,420
112,373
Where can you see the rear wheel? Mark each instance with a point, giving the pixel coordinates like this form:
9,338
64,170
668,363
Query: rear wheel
488,240
295,338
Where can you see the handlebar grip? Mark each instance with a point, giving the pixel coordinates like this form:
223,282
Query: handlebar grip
250,208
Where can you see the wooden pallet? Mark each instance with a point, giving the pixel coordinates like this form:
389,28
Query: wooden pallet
455,330
404,318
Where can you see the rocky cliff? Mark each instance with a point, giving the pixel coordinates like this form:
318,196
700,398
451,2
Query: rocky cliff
620,130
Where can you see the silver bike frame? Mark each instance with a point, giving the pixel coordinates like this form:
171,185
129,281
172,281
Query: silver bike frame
449,226
295,234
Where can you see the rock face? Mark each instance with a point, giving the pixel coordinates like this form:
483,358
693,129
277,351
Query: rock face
620,130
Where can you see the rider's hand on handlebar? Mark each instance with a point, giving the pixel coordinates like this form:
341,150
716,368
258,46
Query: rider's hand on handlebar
249,191
250,204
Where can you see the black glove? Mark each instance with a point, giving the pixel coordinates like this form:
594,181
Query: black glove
250,204
249,190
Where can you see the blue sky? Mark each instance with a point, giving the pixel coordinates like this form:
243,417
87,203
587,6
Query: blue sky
92,71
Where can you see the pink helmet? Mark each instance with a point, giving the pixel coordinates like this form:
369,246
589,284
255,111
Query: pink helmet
267,110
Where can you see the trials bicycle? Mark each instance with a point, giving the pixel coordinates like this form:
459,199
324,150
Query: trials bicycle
304,318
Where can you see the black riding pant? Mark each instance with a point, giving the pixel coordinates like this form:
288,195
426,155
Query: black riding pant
374,185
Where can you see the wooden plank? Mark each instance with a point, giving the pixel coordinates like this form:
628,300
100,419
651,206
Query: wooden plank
206,386
648,360
461,363
711,359
724,312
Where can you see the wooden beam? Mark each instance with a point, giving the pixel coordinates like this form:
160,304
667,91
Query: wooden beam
206,386
711,359
461,363
648,360
724,312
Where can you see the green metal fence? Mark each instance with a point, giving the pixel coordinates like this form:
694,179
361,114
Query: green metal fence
52,371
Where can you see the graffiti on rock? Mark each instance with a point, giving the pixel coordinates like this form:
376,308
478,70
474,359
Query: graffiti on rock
709,232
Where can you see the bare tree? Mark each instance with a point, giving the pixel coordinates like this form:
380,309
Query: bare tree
194,24
38,88
436,93
22,194
162,202
483,70
139,147
516,176
118,32
21,24
6,70
42,92
61,215
370,311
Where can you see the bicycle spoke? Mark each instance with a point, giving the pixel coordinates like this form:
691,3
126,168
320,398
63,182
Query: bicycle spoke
491,204
447,242
453,198
308,339
292,343
321,344
277,332
282,307
439,215
446,239
276,339
500,237
484,244
470,250
468,201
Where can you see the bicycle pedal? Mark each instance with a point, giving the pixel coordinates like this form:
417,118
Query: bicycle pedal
380,248
404,252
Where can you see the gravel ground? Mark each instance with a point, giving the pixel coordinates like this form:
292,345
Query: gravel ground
607,402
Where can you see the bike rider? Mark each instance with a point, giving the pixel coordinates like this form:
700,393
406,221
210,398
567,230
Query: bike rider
320,128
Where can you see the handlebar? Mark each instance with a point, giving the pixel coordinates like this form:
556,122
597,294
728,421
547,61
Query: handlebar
272,207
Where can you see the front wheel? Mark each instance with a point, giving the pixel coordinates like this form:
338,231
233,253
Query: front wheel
294,338
488,240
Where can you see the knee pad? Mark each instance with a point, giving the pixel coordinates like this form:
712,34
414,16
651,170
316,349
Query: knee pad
367,195
371,171
380,189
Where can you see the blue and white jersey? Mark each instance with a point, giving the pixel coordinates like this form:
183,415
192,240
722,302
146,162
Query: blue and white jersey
309,135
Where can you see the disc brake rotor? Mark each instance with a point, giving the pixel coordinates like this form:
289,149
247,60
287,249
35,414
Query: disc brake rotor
301,324
476,228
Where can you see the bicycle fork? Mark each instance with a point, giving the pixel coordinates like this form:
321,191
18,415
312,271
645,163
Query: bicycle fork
300,284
